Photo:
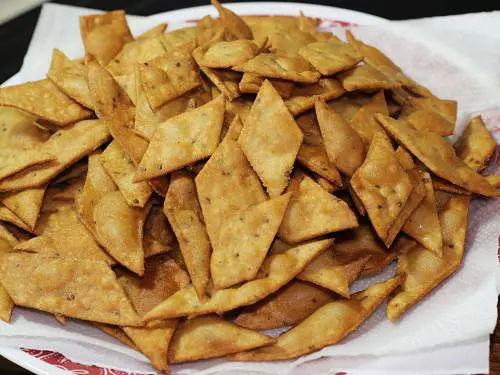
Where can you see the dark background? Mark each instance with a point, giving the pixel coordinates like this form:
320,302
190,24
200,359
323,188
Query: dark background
15,35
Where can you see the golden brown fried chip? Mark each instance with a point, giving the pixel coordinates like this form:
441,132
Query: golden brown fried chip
14,160
365,77
104,35
304,97
227,182
288,306
180,37
74,287
360,242
364,122
235,25
314,158
44,100
10,217
331,56
443,185
346,107
276,271
431,114
326,326
76,171
244,240
275,66
138,51
422,269
67,236
69,77
382,184
119,229
437,155
423,223
313,212
168,76
26,205
417,195
271,153
68,145
225,54
121,169
182,140
343,145
211,336
250,84
158,235
128,83
7,241
329,273
162,278
184,214
153,32
325,184
476,145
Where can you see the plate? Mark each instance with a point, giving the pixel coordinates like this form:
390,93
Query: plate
44,362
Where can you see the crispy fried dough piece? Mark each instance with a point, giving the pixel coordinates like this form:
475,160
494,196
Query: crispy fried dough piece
26,205
168,76
326,326
437,155
76,288
476,145
422,269
364,122
382,184
119,229
425,116
14,160
225,54
182,140
365,77
184,214
68,145
275,66
329,273
158,236
343,145
121,169
227,182
180,37
211,336
271,154
313,212
244,240
235,25
423,224
7,242
105,34
442,185
116,332
9,217
44,100
288,306
250,84
153,32
304,97
276,271
69,77
331,56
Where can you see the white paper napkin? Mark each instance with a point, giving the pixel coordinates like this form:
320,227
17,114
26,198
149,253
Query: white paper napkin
453,320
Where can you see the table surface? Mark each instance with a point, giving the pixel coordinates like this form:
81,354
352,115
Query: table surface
15,36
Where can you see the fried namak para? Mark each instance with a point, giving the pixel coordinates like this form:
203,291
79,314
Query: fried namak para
422,269
225,54
68,145
343,145
74,287
271,154
168,76
364,122
69,77
7,242
437,155
158,235
312,212
431,114
116,332
423,224
121,169
235,25
244,240
44,100
162,278
326,326
227,183
288,306
476,145
442,185
250,84
270,65
382,184
104,35
26,205
331,56
365,77
184,214
182,140
304,97
276,271
211,336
